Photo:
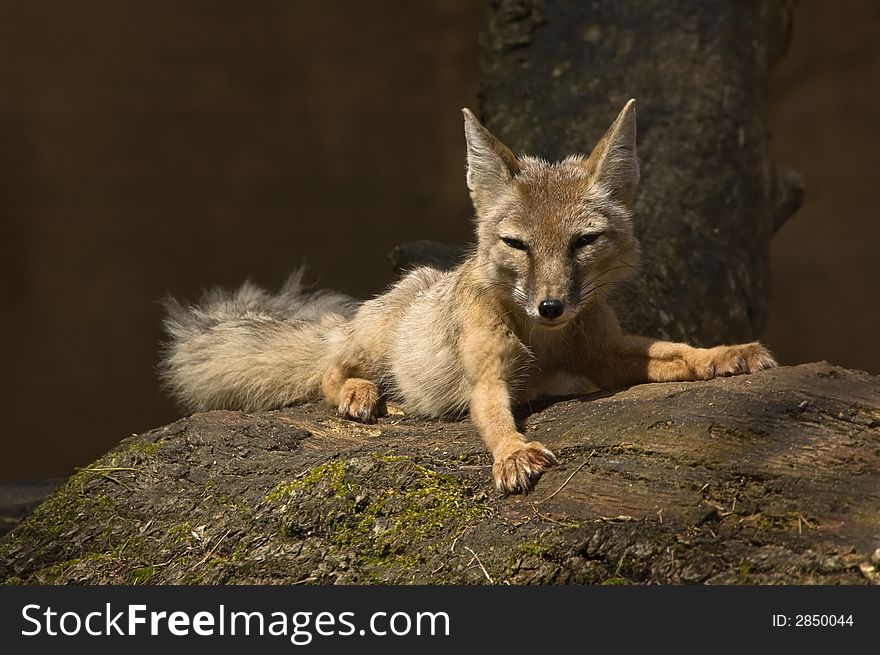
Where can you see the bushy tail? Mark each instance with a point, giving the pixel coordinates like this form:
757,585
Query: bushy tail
251,350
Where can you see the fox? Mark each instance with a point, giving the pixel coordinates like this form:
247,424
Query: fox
526,314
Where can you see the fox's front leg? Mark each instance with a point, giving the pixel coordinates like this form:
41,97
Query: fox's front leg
518,464
628,359
353,397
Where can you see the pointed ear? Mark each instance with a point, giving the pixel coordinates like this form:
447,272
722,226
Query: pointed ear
614,162
491,165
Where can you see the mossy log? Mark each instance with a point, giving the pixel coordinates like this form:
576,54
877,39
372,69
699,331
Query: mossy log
768,478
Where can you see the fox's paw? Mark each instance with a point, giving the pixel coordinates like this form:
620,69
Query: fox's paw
518,468
735,360
359,399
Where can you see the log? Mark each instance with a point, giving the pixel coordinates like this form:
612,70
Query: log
768,478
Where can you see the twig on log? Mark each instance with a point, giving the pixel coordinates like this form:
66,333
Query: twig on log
477,557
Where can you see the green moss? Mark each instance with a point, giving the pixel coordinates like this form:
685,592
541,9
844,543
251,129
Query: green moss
225,499
141,575
333,471
238,554
178,534
144,447
397,518
548,546
617,580
538,547
776,521
385,521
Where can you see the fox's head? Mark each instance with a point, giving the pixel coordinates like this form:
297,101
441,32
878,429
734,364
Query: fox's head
553,235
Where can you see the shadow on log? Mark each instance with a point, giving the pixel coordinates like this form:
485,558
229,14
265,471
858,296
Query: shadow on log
769,478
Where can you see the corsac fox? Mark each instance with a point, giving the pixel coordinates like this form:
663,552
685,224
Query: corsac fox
525,315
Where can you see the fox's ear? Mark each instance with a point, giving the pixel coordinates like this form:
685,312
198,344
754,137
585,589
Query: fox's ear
490,164
614,162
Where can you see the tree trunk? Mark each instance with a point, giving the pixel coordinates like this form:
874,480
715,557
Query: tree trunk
555,74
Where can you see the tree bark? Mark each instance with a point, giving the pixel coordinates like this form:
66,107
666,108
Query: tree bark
555,74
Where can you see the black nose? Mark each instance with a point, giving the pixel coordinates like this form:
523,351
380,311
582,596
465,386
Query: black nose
550,308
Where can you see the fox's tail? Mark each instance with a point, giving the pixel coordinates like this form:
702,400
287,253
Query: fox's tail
251,350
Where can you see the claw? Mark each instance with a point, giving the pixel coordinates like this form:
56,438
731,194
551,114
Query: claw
736,360
518,470
359,400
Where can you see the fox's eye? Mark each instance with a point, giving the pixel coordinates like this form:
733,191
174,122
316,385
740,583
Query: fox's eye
514,243
585,240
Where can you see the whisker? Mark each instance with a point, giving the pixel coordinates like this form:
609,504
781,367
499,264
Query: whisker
606,271
590,286
593,290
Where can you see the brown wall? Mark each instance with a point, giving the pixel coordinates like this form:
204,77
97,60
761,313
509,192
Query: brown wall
825,117
148,147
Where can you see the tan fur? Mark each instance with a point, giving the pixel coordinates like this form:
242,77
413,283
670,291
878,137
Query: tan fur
474,339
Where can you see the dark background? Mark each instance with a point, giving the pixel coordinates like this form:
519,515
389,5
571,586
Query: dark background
164,146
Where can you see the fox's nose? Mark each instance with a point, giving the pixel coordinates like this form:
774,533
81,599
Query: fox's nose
551,308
